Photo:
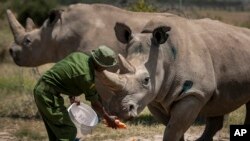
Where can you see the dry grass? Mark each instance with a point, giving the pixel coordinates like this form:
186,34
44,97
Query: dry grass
135,128
16,96
23,130
236,117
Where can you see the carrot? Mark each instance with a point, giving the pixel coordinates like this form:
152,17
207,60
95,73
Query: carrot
119,124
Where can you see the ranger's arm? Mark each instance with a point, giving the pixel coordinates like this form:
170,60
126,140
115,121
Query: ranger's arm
98,107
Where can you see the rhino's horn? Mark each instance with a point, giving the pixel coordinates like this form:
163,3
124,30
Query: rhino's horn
30,25
125,66
113,80
16,28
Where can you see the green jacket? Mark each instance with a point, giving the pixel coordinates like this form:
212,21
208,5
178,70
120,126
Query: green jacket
73,76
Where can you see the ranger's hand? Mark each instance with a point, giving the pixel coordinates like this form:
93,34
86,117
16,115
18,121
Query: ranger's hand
73,99
110,121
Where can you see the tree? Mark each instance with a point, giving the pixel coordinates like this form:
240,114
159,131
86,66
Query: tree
38,10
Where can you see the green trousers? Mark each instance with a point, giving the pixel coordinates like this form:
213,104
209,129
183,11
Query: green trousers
54,114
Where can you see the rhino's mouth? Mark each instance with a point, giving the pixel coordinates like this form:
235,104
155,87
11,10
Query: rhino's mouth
124,114
15,56
128,112
133,114
127,117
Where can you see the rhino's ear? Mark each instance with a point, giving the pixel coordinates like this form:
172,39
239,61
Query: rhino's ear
160,34
54,16
122,32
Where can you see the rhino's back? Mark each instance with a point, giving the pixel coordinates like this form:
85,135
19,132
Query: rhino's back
111,14
229,48
95,23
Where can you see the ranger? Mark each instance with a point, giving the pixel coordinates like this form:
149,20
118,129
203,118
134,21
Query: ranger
71,76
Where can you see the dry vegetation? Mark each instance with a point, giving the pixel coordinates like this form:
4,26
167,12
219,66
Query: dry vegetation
19,119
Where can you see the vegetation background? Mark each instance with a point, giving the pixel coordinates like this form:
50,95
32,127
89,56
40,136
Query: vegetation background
19,119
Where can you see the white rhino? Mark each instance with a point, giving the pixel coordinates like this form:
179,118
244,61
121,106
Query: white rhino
182,69
79,27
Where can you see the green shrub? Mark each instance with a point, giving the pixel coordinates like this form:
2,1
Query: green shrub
142,6
38,10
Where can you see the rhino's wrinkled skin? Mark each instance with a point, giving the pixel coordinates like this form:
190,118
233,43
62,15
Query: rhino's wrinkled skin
79,27
182,69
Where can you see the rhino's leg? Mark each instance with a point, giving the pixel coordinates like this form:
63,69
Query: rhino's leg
213,124
182,114
159,115
247,118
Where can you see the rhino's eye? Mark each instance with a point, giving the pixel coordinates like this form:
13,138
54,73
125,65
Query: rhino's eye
26,41
146,81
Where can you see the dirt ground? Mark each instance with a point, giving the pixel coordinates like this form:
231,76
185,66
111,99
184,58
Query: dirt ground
5,136
192,134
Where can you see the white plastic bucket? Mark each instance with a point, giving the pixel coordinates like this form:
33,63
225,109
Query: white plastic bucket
84,118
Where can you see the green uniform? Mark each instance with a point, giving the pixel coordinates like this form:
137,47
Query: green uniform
72,76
